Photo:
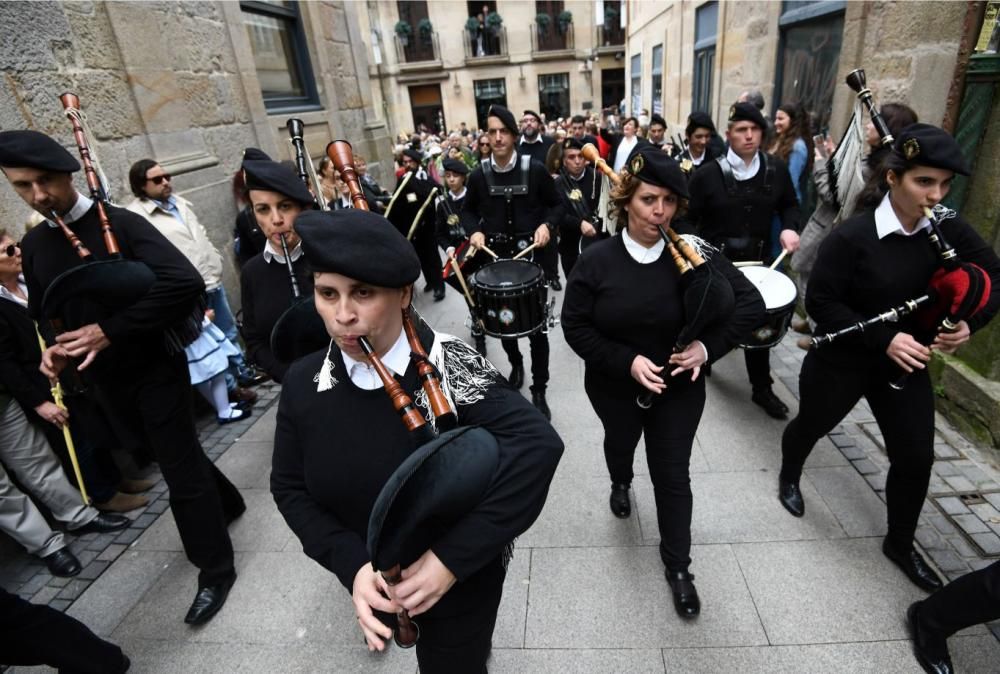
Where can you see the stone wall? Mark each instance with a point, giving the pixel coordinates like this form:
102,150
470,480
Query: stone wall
176,81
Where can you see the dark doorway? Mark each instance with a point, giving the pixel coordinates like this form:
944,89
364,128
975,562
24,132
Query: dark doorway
428,113
612,87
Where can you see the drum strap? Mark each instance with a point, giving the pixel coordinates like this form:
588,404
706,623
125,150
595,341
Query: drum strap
729,180
508,192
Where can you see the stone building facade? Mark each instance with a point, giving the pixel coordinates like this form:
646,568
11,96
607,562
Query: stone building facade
190,84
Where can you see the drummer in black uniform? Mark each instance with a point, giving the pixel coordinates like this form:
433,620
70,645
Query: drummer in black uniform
733,201
277,196
580,191
536,144
408,212
511,203
338,440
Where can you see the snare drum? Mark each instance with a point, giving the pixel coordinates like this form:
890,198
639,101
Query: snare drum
510,298
780,295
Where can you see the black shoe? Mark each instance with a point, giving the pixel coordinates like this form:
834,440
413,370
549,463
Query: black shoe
480,345
516,378
428,287
250,378
538,400
791,497
439,293
931,651
126,665
555,284
102,524
914,566
770,402
208,601
62,563
234,515
686,601
621,506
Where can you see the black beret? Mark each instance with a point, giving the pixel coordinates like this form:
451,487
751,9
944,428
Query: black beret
928,145
358,244
274,177
652,165
657,119
573,143
414,155
505,116
746,112
33,149
702,120
455,166
532,113
253,154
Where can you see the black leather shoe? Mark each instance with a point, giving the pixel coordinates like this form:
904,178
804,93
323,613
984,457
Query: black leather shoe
621,506
251,378
538,400
234,514
770,402
555,284
914,566
102,524
428,287
791,497
208,601
62,563
931,651
516,378
439,293
686,601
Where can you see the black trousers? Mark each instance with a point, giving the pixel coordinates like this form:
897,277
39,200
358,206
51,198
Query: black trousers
970,600
430,260
569,253
548,258
539,344
31,634
827,393
669,427
758,368
159,395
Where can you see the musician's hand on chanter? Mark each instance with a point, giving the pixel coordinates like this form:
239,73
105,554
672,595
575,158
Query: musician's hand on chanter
646,373
907,352
542,235
424,583
52,413
367,594
789,240
54,359
587,229
948,342
477,240
691,358
87,341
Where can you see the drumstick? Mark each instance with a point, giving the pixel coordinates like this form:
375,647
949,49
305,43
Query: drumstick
784,252
483,247
461,279
749,263
525,251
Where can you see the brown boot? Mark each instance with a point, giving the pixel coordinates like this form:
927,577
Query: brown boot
243,395
131,486
122,503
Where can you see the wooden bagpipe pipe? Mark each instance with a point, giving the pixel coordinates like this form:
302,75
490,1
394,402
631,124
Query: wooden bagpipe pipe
708,296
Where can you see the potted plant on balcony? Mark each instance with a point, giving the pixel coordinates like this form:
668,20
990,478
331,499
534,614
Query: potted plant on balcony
565,19
472,26
424,28
404,30
542,22
493,23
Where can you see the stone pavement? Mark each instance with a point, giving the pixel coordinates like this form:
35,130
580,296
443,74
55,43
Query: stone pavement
585,591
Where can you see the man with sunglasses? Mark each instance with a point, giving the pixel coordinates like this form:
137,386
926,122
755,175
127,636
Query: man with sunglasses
173,216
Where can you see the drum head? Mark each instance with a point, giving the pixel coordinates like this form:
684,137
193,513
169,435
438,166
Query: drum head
508,274
777,289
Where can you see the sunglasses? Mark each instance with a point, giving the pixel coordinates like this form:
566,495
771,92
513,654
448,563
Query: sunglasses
12,249
158,180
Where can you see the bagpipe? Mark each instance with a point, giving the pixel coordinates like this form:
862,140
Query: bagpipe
708,296
442,480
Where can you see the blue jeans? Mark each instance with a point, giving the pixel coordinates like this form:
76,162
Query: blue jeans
225,321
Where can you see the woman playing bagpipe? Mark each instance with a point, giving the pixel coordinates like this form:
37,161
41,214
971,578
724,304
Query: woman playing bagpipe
338,443
626,306
895,250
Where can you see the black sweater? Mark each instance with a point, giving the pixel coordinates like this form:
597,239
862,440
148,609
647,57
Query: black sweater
616,309
334,450
447,233
483,213
857,276
576,210
267,293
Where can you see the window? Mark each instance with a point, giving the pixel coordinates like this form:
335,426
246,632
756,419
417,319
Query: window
658,79
419,44
487,93
808,56
636,72
706,25
553,95
550,32
280,54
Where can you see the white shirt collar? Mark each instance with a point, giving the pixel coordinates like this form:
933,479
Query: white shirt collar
742,170
456,197
887,223
8,295
271,253
80,208
397,359
639,252
697,161
504,169
525,141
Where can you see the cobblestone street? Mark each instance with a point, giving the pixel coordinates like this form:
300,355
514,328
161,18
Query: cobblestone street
585,591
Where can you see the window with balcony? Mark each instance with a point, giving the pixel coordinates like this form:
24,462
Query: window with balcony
487,93
553,95
552,29
657,79
611,29
706,26
415,36
484,37
280,54
636,73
